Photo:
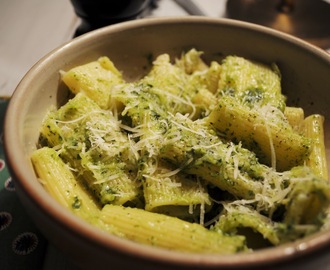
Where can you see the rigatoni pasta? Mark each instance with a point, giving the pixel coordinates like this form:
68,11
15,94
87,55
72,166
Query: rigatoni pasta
313,129
66,189
191,151
169,232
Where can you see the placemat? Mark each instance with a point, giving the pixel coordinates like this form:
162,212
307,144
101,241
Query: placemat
22,246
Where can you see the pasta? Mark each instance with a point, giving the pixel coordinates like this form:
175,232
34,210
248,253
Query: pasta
187,156
271,138
313,128
81,124
169,232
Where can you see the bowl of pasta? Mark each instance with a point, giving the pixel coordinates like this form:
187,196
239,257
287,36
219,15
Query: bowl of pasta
161,143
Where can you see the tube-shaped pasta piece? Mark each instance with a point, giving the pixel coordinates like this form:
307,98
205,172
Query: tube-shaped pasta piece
239,216
166,76
212,76
295,117
236,217
313,129
273,140
177,90
251,82
191,62
91,140
308,192
169,232
59,181
52,126
204,101
108,181
94,79
230,167
175,193
207,79
302,208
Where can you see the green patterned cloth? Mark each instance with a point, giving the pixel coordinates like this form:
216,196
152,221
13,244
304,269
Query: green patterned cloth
21,244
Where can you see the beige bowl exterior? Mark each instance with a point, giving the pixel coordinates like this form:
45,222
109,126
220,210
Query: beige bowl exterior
306,82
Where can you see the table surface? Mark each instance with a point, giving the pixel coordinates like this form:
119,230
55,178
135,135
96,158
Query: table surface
28,31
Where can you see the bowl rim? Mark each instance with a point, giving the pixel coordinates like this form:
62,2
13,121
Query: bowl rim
53,209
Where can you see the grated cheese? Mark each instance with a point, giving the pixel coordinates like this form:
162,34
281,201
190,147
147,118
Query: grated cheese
159,113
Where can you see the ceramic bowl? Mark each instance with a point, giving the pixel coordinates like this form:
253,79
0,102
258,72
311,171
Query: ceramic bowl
306,81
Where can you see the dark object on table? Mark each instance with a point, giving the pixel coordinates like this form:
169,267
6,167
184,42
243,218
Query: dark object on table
306,19
99,13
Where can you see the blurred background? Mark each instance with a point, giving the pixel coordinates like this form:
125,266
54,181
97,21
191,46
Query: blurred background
30,29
